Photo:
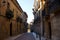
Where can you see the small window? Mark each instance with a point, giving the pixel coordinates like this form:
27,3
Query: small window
8,5
3,2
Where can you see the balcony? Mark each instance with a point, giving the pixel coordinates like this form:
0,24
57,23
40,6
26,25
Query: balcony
18,19
9,14
37,20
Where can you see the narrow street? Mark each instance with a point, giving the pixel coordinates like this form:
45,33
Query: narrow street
29,19
24,36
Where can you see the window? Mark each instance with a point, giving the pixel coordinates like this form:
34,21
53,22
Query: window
3,3
8,5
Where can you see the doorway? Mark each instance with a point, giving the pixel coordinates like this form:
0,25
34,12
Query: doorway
11,29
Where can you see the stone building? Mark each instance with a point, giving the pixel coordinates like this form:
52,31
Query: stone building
52,22
37,26
10,18
49,19
24,17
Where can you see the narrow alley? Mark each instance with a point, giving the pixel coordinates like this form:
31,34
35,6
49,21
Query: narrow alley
29,19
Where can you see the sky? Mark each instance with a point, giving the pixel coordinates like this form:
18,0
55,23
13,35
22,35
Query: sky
27,6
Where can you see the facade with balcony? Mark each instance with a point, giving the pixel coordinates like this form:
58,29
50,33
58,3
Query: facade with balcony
37,26
24,19
11,23
49,19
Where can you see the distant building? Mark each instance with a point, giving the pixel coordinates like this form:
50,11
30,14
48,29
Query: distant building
24,17
37,11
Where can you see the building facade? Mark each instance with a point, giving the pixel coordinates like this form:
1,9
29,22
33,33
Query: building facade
24,17
53,23
49,19
37,26
10,18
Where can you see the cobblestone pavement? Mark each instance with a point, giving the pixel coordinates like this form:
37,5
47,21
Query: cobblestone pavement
12,38
26,36
42,38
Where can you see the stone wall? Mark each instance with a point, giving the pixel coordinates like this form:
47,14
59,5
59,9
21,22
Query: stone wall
4,28
55,26
5,23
